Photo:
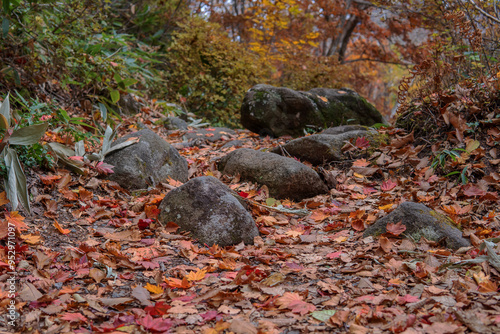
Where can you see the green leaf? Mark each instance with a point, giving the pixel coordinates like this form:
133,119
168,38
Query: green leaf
16,181
63,152
80,148
115,96
5,27
64,114
323,316
28,135
104,111
5,109
270,201
129,82
106,142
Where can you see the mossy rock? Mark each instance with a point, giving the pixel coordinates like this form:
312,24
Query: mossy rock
421,221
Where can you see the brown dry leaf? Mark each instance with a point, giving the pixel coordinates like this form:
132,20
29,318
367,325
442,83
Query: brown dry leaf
385,244
131,235
142,295
399,142
115,301
97,275
29,293
3,198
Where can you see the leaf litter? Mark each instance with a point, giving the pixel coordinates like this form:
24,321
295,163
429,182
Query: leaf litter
94,259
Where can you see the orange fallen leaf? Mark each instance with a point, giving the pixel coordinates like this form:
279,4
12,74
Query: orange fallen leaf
177,283
196,275
3,198
154,289
31,239
16,219
60,229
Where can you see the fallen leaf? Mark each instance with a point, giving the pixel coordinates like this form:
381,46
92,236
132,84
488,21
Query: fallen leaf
294,302
396,229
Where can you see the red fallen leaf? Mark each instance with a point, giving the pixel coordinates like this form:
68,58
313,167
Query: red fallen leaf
127,276
210,129
151,211
396,229
388,185
365,298
211,315
471,191
294,266
369,190
333,255
159,309
362,142
158,324
144,223
294,302
407,299
243,194
74,317
104,168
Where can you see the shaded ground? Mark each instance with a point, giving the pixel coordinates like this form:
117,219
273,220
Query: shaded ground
109,267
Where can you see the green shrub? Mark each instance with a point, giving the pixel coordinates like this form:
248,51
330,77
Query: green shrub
209,72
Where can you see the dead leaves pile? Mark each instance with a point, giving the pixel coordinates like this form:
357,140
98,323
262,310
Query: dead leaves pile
94,260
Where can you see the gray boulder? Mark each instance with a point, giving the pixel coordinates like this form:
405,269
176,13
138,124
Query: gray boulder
337,130
285,177
175,123
147,162
320,148
211,211
278,111
420,221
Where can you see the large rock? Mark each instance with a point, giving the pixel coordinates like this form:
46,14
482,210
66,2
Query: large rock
285,177
278,111
320,148
212,212
420,221
147,162
175,123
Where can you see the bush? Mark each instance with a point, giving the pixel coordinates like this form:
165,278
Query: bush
209,72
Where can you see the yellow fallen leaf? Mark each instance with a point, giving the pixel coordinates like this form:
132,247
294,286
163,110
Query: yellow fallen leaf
385,207
196,275
154,289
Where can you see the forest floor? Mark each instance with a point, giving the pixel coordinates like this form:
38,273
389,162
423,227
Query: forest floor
92,259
